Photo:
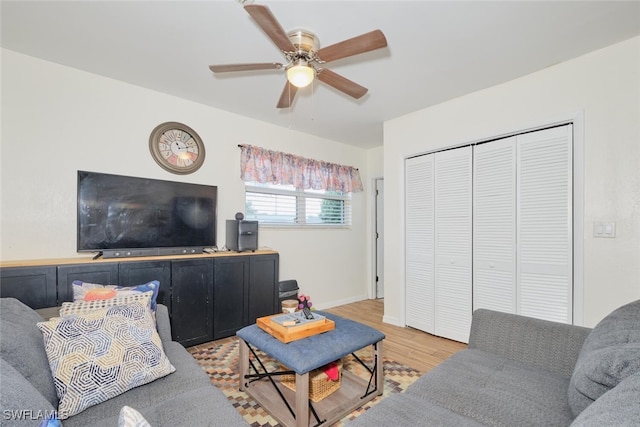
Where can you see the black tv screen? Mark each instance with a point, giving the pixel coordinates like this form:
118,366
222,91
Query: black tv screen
122,212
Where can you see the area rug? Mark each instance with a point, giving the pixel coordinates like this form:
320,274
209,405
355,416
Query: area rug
220,361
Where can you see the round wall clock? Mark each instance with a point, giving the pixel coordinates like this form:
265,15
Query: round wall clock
176,148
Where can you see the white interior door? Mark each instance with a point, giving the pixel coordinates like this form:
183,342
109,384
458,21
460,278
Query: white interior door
490,227
420,243
453,245
544,230
379,238
494,225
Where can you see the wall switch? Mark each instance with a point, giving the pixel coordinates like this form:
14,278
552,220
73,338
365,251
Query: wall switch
604,229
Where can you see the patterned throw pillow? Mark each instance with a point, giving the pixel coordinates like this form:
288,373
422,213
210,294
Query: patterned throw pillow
84,291
129,417
102,353
80,307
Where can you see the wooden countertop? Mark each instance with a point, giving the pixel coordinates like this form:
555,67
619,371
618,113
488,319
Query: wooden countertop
90,260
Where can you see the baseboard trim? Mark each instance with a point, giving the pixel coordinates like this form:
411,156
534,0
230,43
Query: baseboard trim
392,321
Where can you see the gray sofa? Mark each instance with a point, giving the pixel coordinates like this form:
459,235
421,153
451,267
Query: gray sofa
185,397
519,371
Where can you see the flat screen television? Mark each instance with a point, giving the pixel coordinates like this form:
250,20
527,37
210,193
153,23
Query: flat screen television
123,216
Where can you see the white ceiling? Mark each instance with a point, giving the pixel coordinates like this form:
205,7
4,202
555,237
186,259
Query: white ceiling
438,50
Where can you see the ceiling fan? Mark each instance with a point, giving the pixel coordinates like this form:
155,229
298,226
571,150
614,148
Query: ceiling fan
304,56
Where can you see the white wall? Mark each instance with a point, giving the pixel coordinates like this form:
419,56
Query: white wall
604,86
57,120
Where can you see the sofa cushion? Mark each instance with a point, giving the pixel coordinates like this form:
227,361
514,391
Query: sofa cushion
402,409
103,353
611,353
85,291
162,392
22,346
21,403
496,391
617,407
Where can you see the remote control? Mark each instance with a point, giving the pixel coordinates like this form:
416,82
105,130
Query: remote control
307,313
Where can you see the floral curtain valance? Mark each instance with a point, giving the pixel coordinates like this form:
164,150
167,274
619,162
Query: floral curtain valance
274,167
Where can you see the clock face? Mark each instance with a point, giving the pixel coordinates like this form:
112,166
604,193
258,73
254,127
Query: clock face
176,148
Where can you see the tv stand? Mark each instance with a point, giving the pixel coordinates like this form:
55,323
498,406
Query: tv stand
96,256
209,296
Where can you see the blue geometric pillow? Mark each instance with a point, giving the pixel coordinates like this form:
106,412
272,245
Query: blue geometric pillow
84,291
103,353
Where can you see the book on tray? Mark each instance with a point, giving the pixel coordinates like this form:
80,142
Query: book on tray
296,319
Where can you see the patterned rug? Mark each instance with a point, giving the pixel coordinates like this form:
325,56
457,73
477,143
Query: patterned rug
220,361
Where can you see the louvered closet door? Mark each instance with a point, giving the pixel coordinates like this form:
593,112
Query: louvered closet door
544,230
494,225
419,252
453,190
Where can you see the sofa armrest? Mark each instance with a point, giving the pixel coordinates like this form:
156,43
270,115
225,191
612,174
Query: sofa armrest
163,323
540,343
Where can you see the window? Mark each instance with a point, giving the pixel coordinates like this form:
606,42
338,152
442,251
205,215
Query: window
283,205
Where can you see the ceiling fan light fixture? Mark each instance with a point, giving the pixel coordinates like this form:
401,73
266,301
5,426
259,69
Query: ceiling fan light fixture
300,74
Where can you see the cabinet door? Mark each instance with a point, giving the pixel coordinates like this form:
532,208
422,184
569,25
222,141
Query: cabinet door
263,292
137,273
230,303
191,296
34,286
103,274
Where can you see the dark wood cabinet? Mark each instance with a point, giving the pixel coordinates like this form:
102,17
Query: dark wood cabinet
230,296
191,301
123,274
263,287
103,274
140,272
208,296
34,286
245,288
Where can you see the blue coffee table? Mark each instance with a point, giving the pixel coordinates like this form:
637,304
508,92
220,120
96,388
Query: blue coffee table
302,356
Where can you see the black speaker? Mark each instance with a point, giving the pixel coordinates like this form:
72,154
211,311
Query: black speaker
242,235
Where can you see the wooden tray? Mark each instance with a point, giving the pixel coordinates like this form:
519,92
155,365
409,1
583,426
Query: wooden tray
292,333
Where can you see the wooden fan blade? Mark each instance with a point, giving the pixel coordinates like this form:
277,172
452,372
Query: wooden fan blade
244,67
287,96
341,83
270,25
353,46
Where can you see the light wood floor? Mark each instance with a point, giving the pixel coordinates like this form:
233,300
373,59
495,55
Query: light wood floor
408,346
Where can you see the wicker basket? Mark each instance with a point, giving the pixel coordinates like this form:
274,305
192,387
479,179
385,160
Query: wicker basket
320,386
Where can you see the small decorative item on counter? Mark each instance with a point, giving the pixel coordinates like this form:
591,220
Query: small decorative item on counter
289,306
304,301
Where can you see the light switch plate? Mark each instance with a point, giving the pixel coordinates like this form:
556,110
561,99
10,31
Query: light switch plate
604,229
